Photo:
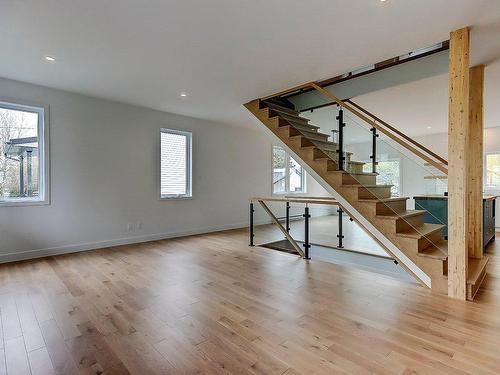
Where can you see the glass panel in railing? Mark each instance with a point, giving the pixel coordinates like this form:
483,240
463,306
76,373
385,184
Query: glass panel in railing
399,173
272,218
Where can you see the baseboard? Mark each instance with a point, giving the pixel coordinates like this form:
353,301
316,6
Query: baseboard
75,248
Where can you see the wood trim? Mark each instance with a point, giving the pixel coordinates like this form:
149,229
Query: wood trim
401,134
458,177
276,221
476,150
307,200
373,123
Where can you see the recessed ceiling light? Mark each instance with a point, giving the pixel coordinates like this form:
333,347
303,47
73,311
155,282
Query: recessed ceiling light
50,58
184,94
429,127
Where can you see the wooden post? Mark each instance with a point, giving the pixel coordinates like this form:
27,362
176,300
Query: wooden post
458,163
476,129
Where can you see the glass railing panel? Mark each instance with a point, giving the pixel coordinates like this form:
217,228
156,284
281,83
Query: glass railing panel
267,233
405,173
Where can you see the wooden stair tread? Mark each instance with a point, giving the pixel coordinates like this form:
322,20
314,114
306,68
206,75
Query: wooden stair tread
281,108
420,231
436,251
356,174
402,215
325,157
293,119
367,186
383,200
312,132
476,268
357,162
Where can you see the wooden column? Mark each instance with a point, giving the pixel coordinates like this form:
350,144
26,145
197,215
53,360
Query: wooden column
476,134
458,163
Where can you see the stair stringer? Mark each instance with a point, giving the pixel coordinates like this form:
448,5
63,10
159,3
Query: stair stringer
391,249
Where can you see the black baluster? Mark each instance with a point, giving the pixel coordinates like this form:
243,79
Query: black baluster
252,235
306,245
340,236
340,149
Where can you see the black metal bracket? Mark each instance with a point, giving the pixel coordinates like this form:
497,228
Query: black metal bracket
373,156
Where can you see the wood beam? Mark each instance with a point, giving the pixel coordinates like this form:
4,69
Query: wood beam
458,162
475,189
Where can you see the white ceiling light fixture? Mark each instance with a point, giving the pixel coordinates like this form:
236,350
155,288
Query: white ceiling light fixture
429,127
183,94
50,58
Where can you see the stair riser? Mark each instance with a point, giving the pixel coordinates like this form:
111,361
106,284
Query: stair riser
324,165
407,223
373,193
430,240
472,289
387,208
355,168
347,179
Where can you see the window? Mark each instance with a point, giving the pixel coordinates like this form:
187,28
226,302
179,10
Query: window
389,173
175,164
23,155
288,175
492,172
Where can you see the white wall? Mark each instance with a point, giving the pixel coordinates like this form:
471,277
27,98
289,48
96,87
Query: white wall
104,173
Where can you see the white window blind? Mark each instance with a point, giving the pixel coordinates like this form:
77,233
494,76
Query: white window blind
175,174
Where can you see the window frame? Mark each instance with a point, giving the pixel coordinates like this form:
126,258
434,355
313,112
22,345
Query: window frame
189,166
485,172
42,110
401,169
287,174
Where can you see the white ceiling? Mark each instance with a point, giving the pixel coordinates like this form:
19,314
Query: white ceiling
222,52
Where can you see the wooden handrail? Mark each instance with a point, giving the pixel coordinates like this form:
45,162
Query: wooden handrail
306,200
401,134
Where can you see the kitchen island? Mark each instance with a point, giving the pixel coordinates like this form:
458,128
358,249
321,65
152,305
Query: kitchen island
436,207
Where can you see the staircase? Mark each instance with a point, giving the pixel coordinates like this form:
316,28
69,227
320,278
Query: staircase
421,242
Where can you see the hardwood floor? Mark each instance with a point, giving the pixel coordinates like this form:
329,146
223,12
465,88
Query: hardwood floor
211,305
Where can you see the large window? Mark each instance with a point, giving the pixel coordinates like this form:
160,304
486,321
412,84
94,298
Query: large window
23,155
389,173
175,164
288,175
492,172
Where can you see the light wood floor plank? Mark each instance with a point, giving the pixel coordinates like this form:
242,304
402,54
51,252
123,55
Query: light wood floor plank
210,304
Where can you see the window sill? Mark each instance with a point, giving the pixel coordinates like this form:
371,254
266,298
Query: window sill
290,193
21,203
176,198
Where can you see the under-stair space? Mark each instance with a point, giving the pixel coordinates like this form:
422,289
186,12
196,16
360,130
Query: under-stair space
423,243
